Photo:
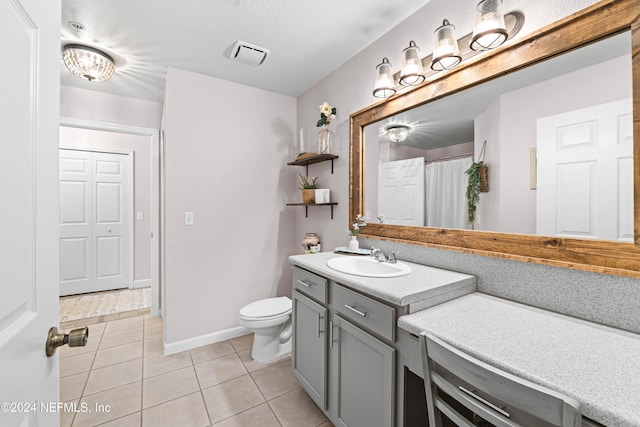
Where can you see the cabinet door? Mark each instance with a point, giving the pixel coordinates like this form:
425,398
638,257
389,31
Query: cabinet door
362,377
309,351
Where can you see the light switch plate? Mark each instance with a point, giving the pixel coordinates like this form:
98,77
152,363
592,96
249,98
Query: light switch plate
188,218
140,215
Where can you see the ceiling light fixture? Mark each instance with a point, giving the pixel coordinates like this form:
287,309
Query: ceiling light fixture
384,87
446,53
411,74
88,63
397,133
490,31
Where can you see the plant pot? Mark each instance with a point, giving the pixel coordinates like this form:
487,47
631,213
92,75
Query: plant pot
308,195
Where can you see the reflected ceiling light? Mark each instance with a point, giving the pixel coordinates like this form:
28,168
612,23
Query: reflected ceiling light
490,31
384,87
446,53
88,63
411,73
397,133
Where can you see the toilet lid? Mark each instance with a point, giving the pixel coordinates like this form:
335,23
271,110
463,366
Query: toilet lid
266,307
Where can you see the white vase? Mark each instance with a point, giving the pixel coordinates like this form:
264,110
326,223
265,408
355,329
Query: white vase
354,245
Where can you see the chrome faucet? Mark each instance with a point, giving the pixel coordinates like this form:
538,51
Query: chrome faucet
379,255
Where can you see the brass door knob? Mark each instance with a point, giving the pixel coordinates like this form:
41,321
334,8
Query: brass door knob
75,338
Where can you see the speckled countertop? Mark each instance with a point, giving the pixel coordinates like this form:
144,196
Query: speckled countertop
423,287
598,366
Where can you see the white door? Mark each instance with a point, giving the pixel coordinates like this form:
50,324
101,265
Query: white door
95,221
29,107
401,192
585,173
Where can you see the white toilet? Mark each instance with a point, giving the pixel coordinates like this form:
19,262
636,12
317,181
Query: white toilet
270,321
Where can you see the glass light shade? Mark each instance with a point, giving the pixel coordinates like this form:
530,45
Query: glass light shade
88,63
446,53
490,31
411,72
384,87
397,133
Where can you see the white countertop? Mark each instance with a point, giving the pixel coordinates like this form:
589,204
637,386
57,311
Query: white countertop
597,365
423,285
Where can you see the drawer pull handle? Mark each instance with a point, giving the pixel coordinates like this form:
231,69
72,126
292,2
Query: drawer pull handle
355,310
485,402
308,285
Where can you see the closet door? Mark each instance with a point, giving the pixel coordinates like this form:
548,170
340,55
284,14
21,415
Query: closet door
95,217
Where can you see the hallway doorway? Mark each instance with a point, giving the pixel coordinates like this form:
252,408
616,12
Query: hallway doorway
142,146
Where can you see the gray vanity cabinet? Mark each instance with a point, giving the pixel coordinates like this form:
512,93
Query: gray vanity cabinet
342,351
362,377
309,351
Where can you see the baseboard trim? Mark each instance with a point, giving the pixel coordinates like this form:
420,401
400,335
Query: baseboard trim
191,343
144,283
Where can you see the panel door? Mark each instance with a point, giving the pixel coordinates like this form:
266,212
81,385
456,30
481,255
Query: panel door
585,173
29,84
401,192
309,351
94,221
362,377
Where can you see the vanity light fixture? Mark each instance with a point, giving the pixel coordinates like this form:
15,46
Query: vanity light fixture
411,73
397,133
384,87
490,31
446,53
88,63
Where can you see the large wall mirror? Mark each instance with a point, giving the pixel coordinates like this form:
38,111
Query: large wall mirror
552,116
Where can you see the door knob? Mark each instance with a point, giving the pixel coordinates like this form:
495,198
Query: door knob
75,338
108,230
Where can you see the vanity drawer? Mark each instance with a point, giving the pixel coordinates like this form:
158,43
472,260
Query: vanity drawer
365,311
310,284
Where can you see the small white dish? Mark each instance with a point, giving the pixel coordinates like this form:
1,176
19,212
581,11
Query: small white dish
346,250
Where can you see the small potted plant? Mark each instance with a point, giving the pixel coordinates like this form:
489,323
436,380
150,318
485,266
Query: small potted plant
308,187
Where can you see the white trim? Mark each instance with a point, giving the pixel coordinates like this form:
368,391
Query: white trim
156,207
142,283
191,343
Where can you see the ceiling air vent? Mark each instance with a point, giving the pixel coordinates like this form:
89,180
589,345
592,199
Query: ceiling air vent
248,53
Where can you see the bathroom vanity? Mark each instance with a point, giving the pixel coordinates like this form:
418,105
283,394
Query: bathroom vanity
348,352
356,349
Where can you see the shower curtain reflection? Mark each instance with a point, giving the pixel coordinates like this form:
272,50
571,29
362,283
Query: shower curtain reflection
445,185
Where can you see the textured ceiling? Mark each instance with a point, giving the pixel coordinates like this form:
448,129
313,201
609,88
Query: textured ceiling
308,40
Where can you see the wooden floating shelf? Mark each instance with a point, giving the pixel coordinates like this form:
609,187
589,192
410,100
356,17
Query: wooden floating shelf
315,158
306,206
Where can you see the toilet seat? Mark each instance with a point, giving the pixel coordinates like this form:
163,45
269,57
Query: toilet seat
266,308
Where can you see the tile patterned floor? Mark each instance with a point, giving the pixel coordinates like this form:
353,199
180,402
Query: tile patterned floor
216,385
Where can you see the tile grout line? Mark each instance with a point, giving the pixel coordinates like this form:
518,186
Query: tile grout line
204,402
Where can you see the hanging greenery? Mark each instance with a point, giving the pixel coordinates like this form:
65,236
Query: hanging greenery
477,182
473,190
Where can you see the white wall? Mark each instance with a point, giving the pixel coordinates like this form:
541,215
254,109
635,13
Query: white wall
102,107
350,88
139,145
227,146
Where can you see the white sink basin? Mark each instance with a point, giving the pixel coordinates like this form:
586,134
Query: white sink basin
369,267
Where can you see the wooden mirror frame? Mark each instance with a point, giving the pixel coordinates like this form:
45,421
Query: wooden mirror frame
599,21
